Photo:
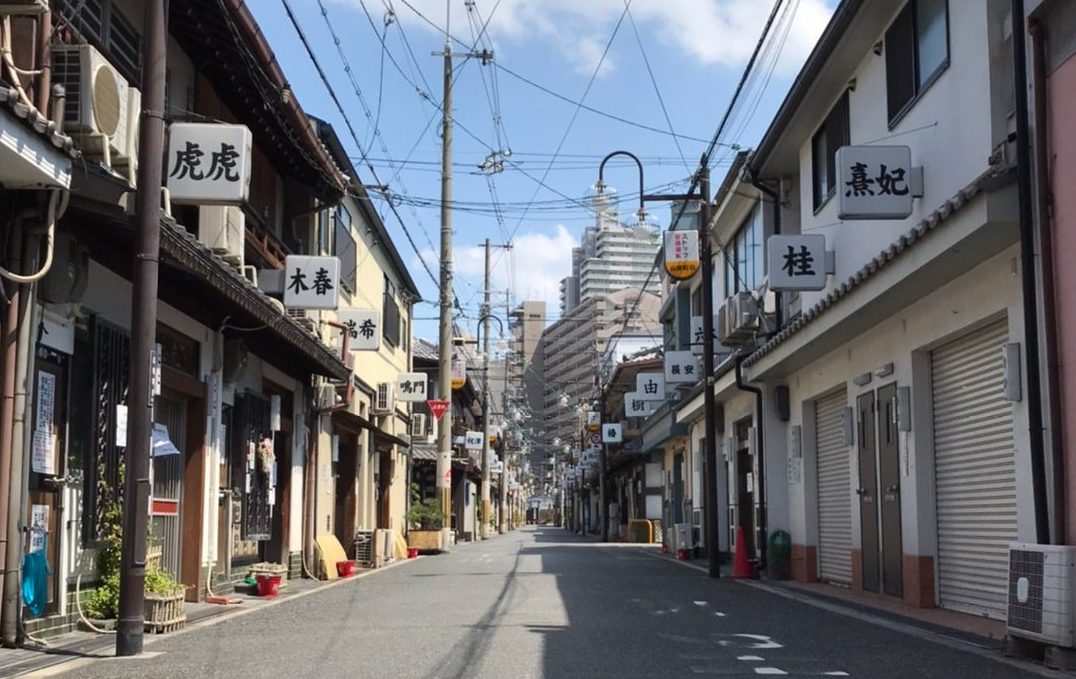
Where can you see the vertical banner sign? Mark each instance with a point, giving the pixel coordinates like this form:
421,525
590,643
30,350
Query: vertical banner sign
208,163
650,386
39,526
797,262
681,254
363,328
311,282
681,367
612,433
459,371
594,420
697,336
876,182
411,387
43,453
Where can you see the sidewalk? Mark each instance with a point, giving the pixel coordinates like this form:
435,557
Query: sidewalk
84,644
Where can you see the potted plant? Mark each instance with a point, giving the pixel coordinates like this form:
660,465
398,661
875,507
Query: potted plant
164,607
266,568
424,523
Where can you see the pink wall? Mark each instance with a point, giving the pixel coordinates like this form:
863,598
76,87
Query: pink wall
1061,93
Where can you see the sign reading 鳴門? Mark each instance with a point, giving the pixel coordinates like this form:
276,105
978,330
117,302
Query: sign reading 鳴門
797,262
876,182
681,254
311,282
363,328
208,163
411,387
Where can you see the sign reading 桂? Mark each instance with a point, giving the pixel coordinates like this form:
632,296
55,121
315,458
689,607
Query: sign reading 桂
311,282
681,254
208,163
797,262
681,367
411,387
363,328
650,386
875,182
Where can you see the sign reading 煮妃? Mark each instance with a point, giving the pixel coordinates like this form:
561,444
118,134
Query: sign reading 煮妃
411,387
612,433
681,254
797,262
681,367
311,282
363,328
650,386
208,163
472,440
875,182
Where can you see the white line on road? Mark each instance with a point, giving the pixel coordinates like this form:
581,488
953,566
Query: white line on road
749,658
770,670
719,614
701,603
834,674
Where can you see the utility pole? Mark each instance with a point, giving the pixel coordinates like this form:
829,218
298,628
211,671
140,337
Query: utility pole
486,476
444,430
710,440
130,627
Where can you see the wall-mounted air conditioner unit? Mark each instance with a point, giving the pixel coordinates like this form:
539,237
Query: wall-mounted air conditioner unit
306,318
223,229
97,106
418,426
1041,593
23,7
737,319
326,396
385,402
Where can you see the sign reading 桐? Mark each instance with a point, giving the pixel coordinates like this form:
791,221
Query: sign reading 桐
875,182
681,254
650,386
612,433
363,328
208,163
698,336
472,440
797,262
411,387
681,367
311,282
636,406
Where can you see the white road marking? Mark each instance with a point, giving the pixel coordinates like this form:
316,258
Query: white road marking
749,658
835,674
770,670
719,614
701,603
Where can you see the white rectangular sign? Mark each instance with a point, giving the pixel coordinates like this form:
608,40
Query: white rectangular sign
697,336
650,386
612,432
496,467
681,367
472,440
411,387
797,262
363,328
311,282
635,406
874,182
208,163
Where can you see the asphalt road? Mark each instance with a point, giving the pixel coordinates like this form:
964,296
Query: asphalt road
542,603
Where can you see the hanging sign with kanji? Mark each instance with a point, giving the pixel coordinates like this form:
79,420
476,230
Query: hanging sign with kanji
437,408
459,371
411,387
594,420
612,432
363,328
208,163
698,336
311,282
681,254
797,262
650,386
876,182
681,367
472,440
636,406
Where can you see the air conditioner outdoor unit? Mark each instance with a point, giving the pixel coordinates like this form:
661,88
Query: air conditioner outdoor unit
418,426
1041,593
97,100
305,318
223,229
682,533
23,7
326,396
386,398
128,162
737,319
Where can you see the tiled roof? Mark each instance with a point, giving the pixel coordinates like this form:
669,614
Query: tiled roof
36,120
420,348
884,259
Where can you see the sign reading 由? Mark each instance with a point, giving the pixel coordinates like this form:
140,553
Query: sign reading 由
208,163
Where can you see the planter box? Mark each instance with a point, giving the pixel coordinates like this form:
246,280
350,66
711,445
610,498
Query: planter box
270,569
165,612
425,540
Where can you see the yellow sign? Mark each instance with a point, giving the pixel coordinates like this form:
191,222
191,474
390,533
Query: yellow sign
681,254
459,371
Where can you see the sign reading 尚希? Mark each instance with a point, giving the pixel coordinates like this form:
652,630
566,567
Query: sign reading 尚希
681,367
681,254
311,282
411,387
363,328
797,262
208,163
875,182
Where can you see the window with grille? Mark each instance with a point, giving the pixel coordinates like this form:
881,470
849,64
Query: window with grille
390,315
124,45
344,248
744,269
916,53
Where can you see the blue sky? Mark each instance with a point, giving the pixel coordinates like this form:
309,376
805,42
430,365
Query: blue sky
696,50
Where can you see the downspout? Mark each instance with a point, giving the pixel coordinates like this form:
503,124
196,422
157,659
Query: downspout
1046,262
1028,278
775,197
10,359
760,483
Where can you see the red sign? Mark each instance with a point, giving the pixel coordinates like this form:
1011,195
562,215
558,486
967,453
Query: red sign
437,408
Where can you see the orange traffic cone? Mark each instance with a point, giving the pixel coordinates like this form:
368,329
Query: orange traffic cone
740,566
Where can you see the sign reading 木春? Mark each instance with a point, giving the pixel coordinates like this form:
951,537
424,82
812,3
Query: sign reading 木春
681,254
363,328
797,262
411,387
208,163
650,386
472,440
681,367
875,182
311,282
612,432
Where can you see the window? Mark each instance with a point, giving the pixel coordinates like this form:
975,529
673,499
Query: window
916,51
832,135
325,222
744,268
390,315
344,248
125,44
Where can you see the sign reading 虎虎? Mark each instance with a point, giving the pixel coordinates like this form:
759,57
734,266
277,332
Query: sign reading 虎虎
363,328
681,254
208,163
876,182
311,282
797,262
411,387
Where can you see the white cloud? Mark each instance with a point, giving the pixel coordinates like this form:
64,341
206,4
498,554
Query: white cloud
710,32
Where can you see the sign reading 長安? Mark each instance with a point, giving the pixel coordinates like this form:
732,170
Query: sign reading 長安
681,367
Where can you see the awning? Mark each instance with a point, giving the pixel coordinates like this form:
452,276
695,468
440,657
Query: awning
424,451
32,154
356,423
662,426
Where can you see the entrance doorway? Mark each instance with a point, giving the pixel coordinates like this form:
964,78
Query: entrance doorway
879,491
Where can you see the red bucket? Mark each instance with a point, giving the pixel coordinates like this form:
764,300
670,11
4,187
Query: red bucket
346,569
268,584
412,552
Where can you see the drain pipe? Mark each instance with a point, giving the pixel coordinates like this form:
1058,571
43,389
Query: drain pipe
10,360
760,450
1027,273
776,198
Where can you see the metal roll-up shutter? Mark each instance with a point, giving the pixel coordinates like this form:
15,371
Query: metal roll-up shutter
975,471
834,496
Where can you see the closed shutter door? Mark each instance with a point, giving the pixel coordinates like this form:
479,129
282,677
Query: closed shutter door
975,472
834,497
